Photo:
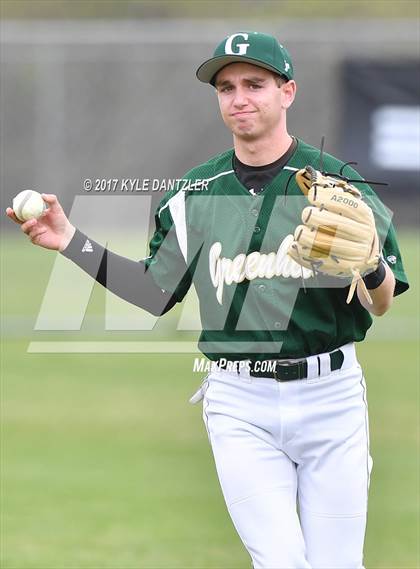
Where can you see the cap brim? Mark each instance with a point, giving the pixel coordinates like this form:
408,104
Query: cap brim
209,68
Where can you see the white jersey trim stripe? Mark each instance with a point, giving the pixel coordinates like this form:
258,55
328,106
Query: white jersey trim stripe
199,183
177,209
163,207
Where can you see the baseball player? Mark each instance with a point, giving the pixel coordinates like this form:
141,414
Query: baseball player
290,252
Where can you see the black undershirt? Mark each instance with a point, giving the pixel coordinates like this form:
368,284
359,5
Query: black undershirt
131,280
256,178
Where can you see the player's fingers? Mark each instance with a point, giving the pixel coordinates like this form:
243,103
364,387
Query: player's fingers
53,203
34,236
36,230
28,225
10,213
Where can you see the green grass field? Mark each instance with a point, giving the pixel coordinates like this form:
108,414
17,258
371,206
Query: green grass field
105,465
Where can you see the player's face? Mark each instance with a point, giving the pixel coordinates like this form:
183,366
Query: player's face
252,100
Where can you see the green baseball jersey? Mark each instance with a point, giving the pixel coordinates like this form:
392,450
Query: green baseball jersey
255,301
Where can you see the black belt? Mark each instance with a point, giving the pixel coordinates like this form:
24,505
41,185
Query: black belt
287,371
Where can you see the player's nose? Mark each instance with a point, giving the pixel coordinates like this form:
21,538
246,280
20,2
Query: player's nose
240,99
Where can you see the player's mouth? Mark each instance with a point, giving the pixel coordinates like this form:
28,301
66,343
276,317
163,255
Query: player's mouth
240,114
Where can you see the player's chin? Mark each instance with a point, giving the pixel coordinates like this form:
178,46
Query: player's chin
240,127
246,133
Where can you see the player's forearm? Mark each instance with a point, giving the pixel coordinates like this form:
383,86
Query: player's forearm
382,296
126,278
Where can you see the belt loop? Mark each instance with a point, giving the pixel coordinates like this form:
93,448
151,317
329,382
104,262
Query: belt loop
349,353
312,367
243,370
325,364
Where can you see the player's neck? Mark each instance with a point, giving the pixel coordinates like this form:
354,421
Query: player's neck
262,151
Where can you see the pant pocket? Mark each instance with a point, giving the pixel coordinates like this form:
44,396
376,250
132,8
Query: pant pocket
201,391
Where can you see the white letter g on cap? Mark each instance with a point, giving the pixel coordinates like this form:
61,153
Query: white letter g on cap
241,47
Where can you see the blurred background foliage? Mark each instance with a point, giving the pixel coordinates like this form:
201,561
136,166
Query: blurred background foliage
262,9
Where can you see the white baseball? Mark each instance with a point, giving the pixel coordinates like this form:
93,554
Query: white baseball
28,205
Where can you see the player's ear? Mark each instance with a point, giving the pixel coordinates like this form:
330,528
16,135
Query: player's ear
288,93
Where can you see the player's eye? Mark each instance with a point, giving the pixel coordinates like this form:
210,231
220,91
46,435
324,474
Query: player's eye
255,86
226,89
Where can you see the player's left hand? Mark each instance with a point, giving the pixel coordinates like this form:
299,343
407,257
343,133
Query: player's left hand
338,236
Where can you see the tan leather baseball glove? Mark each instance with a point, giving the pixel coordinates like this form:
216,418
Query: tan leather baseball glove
338,236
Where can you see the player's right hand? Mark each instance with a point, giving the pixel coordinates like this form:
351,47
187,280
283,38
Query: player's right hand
52,230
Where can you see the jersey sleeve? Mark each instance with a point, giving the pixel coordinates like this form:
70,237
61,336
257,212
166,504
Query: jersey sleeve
167,261
392,256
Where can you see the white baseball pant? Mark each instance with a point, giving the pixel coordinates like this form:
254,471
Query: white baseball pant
293,463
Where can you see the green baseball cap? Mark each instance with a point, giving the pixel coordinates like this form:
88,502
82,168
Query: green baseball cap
258,49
